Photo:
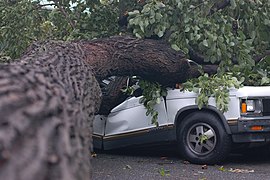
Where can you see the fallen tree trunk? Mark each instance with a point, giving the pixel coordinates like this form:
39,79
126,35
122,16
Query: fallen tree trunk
49,96
47,105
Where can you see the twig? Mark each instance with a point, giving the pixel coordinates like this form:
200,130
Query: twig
43,5
258,58
218,6
62,10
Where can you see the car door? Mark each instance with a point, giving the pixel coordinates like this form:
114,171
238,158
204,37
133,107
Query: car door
127,124
99,131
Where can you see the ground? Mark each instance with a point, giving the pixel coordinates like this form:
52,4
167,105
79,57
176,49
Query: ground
165,163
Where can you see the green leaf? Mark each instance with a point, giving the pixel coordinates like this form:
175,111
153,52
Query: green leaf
233,4
175,47
265,80
158,100
205,43
152,20
164,172
232,44
158,16
160,33
221,168
186,19
218,52
267,22
187,29
133,13
138,35
141,24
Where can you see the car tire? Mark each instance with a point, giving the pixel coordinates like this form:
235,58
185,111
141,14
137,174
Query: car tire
202,139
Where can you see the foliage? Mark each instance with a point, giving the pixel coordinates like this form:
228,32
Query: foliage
19,26
259,75
25,21
152,94
164,172
224,36
231,36
213,86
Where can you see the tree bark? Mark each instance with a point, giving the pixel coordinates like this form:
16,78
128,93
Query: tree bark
48,99
153,60
47,105
112,94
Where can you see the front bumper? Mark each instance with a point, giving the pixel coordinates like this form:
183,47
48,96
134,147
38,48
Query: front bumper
245,134
246,123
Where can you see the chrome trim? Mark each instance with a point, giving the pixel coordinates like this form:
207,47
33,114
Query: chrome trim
232,121
254,118
97,136
164,127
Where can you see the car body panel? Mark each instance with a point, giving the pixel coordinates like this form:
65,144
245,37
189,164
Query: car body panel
131,116
189,99
128,124
253,91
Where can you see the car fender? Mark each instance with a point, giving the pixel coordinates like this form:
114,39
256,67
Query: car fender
182,113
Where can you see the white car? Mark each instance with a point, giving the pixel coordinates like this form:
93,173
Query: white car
203,136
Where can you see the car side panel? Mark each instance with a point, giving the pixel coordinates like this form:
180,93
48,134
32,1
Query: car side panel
98,131
132,117
131,126
177,100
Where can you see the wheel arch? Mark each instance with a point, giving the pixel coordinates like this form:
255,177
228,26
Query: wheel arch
182,113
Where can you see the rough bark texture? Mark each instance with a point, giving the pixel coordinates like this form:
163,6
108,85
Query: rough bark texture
151,59
47,105
49,96
112,94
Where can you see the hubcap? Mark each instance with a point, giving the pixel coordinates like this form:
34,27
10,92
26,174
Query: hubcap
201,139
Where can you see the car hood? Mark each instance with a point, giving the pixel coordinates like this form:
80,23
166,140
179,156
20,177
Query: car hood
252,91
246,91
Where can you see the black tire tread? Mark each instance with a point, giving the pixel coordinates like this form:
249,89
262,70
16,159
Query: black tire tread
223,150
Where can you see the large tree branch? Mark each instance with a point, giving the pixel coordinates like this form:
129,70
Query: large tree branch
195,56
124,55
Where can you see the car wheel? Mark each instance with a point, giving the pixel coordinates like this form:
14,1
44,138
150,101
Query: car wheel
202,138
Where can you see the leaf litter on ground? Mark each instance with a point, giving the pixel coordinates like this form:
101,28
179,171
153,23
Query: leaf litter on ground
236,170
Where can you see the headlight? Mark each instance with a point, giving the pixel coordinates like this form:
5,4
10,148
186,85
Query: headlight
251,106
